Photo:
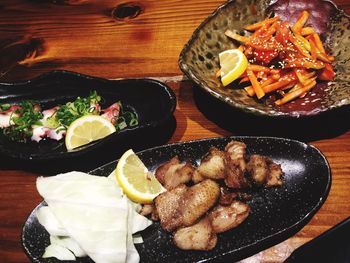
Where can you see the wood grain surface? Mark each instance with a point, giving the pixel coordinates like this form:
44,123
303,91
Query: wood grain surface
86,36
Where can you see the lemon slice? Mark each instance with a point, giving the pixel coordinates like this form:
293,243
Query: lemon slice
137,182
87,129
232,65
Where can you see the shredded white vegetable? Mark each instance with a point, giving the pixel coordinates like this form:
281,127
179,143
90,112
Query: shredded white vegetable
94,216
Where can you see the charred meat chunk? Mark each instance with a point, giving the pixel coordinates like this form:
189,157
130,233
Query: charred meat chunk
173,173
264,171
168,205
196,237
212,166
224,218
198,199
275,175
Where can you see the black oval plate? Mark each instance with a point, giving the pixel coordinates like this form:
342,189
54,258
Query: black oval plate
153,101
277,213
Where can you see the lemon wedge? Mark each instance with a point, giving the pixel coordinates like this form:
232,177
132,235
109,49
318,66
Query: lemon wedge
137,182
232,65
87,129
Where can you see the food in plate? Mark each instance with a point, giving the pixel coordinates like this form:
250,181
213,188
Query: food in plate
202,201
286,60
89,215
275,213
27,121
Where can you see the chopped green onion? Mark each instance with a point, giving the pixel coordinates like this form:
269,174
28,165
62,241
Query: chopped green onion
5,107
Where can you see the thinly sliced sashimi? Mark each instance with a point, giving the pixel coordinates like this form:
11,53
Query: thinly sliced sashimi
49,112
5,120
92,210
5,116
112,112
39,132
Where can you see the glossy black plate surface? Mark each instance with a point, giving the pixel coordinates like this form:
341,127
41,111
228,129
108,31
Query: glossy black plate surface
152,100
277,213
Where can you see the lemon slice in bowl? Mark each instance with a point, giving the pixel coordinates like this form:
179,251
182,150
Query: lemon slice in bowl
233,63
87,129
137,182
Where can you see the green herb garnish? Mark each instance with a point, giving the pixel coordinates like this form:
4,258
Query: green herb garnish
23,118
71,111
125,119
4,107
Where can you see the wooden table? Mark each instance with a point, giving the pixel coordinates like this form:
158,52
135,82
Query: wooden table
88,37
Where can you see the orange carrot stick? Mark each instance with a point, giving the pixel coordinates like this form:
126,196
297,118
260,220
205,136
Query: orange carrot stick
318,43
313,49
303,63
301,21
256,86
250,90
257,25
298,44
294,94
264,83
279,84
307,31
258,68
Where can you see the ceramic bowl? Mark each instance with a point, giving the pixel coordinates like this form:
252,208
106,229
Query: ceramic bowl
199,57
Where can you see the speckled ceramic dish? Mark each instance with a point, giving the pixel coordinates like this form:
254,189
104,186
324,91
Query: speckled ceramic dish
199,58
277,213
153,102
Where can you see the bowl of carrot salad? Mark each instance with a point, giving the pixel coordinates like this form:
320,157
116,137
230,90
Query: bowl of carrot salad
298,55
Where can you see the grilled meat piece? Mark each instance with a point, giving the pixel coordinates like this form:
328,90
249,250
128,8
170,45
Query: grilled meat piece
236,152
183,206
227,198
236,165
212,166
235,176
168,205
198,199
258,169
224,218
264,171
146,209
275,174
196,237
173,173
163,168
